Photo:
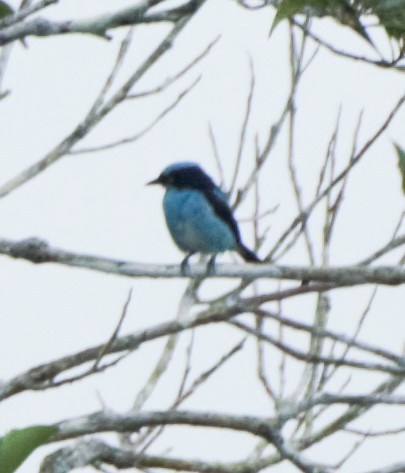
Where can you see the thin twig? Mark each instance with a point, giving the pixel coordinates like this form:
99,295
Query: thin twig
92,119
242,136
356,159
144,131
106,348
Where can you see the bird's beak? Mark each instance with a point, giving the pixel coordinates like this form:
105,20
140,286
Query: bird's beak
155,181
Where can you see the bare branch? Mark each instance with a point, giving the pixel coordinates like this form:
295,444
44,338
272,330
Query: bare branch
94,117
242,138
186,393
39,252
107,346
316,359
85,452
97,26
167,353
341,176
140,134
265,427
23,13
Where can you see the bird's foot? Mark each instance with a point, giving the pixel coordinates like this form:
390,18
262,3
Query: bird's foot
185,265
211,266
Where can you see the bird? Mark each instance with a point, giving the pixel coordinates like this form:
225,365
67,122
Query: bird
198,215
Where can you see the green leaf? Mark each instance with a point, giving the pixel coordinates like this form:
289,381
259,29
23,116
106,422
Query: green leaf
18,444
391,15
401,164
289,8
5,9
286,9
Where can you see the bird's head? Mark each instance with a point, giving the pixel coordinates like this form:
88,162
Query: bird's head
184,175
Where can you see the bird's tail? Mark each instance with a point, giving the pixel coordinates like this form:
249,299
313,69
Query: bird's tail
248,255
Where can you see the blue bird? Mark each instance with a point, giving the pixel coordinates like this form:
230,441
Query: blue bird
198,214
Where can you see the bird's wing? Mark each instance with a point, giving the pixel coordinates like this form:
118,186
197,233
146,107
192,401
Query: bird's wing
220,205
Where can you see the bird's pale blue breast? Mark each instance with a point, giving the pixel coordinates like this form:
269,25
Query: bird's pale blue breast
193,224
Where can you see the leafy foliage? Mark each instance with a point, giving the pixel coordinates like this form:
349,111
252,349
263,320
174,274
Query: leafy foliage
389,13
5,9
18,444
401,164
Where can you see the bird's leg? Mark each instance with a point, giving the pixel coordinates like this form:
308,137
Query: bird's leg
211,265
184,266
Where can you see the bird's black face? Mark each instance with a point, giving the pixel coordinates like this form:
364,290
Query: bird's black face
162,180
190,177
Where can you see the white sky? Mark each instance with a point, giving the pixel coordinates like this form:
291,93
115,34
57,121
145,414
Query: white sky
98,203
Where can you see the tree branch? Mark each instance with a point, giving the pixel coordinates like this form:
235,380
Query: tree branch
38,251
97,26
98,111
85,452
265,427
